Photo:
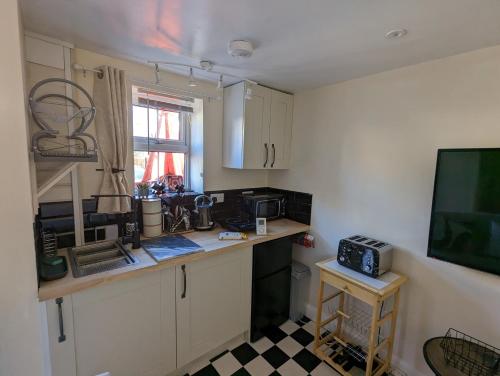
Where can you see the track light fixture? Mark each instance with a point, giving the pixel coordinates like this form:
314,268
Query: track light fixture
206,66
157,74
219,83
192,81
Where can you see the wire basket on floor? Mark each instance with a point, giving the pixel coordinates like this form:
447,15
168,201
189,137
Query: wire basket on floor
470,355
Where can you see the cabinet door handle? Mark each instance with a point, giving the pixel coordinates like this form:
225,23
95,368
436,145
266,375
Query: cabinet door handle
274,155
267,154
183,295
62,337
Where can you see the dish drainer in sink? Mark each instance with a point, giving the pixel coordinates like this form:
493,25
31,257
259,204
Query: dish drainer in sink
99,257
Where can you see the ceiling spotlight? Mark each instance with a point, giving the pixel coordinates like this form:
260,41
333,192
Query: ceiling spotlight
240,48
397,33
192,81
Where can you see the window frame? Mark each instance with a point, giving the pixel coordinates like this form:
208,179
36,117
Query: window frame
183,145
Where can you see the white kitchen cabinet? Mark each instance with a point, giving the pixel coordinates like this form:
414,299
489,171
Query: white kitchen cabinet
257,127
122,329
61,342
213,302
152,324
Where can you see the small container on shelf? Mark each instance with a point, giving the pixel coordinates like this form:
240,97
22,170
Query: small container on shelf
151,217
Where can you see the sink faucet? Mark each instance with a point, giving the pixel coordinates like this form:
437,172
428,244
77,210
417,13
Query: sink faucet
129,231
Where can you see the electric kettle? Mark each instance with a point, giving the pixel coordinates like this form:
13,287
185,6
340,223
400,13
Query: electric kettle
203,221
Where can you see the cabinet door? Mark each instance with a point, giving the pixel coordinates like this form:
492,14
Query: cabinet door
168,323
280,129
61,344
213,303
256,130
117,328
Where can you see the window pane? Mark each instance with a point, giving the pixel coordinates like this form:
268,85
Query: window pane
168,127
140,120
162,124
154,166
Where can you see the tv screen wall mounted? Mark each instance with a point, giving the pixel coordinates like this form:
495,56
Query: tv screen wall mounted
465,219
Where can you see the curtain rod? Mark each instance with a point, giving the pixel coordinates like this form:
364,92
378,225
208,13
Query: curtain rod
79,67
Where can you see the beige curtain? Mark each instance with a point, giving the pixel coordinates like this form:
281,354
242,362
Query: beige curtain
110,97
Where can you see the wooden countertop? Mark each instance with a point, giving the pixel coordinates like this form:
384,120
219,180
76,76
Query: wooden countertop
208,240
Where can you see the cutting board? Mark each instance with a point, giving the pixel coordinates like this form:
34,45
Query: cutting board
169,246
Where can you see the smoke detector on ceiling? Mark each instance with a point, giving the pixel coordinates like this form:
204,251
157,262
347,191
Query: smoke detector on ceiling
240,48
206,65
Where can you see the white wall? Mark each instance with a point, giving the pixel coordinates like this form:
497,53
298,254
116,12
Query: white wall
215,176
20,337
366,150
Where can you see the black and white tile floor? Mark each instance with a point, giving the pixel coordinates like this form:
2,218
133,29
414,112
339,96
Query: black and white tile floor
286,351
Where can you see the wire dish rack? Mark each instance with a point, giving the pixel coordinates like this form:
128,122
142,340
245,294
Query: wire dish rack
99,257
470,355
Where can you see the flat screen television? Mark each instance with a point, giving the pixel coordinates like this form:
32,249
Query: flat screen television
465,219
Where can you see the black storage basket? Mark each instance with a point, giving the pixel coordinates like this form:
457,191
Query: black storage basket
470,355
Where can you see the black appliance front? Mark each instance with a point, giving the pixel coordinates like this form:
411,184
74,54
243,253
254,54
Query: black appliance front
270,285
265,205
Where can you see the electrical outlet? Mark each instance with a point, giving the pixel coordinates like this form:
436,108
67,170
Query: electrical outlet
219,197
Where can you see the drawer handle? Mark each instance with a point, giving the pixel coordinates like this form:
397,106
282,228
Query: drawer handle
274,155
267,154
62,336
183,295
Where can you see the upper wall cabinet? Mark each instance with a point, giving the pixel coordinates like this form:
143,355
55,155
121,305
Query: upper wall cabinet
257,127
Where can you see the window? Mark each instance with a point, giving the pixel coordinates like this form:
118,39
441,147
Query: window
161,137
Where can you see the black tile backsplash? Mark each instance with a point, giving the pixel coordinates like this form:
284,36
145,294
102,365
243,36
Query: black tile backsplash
58,216
298,204
232,202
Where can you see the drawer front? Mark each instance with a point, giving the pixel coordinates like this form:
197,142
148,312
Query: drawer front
350,288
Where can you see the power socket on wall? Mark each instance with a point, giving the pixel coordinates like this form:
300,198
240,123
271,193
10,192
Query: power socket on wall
219,197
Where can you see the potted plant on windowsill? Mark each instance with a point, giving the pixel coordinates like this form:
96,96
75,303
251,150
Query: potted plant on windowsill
142,189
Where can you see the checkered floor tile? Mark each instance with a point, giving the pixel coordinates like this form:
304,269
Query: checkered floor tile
283,351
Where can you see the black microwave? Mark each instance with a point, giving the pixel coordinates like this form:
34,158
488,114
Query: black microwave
264,205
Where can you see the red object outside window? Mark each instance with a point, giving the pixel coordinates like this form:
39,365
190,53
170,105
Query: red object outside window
173,163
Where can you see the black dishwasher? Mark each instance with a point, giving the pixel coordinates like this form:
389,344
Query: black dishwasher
270,285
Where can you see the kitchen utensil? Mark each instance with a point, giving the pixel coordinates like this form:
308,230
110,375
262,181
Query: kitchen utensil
203,205
51,265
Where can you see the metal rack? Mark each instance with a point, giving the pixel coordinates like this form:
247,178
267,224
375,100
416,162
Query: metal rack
358,330
470,355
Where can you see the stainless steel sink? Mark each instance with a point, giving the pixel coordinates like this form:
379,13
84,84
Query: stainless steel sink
99,257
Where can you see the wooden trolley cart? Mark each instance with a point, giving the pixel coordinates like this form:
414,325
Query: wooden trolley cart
354,332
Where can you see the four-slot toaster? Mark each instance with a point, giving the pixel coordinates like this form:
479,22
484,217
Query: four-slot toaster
365,255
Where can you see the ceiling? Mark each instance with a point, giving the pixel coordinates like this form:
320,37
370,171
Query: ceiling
299,44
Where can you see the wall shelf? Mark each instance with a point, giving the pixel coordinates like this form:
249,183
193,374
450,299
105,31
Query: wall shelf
54,179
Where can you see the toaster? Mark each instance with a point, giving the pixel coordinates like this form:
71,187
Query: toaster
365,255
